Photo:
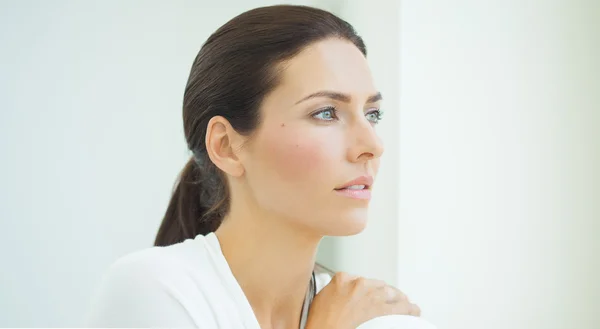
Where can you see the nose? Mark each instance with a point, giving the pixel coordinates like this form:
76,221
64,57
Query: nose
366,144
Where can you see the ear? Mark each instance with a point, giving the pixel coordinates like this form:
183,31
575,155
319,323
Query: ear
222,143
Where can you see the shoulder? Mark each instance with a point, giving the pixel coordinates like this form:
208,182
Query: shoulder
154,264
186,266
158,286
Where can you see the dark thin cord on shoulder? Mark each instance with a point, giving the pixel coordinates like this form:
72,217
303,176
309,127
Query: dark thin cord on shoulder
314,286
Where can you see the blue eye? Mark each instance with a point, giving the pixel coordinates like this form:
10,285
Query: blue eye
374,116
326,114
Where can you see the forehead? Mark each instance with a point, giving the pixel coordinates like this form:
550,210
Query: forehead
332,65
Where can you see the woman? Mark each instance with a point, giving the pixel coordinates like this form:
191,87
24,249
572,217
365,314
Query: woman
279,112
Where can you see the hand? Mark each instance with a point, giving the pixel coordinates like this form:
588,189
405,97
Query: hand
348,301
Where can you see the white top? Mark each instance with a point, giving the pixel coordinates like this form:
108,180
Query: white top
188,284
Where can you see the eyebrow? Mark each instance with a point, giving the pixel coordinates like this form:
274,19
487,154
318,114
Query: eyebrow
339,97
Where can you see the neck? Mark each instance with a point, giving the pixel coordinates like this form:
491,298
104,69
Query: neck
272,260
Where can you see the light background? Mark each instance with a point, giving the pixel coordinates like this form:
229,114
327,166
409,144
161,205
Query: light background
488,202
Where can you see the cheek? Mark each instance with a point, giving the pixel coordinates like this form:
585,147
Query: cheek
293,172
298,159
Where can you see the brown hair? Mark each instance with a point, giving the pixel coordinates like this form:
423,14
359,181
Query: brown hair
234,70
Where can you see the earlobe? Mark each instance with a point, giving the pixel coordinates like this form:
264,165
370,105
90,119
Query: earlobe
220,138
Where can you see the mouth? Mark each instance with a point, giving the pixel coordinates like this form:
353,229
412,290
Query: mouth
358,192
354,188
359,188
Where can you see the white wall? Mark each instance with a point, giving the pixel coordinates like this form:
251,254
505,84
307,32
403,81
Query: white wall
499,162
91,140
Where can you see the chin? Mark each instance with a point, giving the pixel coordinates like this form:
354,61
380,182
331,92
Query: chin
348,225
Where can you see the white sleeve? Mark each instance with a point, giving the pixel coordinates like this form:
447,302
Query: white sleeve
139,294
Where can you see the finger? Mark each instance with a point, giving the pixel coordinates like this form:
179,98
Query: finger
343,277
398,309
367,286
414,310
393,295
372,284
376,283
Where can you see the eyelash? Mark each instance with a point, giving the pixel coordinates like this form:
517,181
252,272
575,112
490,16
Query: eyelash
378,114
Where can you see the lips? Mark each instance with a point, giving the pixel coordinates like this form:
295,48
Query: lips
357,184
355,192
357,189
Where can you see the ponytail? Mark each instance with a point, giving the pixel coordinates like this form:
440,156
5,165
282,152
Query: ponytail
199,202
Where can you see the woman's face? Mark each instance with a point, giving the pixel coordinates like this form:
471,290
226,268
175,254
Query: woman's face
317,135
